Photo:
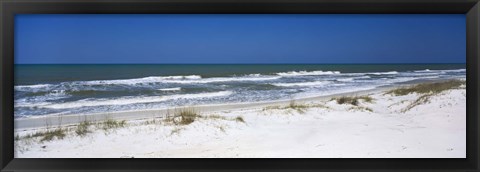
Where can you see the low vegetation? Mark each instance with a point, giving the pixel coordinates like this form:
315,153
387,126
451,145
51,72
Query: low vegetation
299,107
47,135
428,88
239,119
353,100
214,117
295,106
179,118
185,116
153,121
83,128
361,108
420,100
58,133
112,124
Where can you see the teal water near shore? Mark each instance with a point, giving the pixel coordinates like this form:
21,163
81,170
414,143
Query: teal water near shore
74,89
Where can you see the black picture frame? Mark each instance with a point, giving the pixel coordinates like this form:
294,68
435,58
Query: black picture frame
9,8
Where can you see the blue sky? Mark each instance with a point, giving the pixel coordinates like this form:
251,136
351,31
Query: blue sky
319,38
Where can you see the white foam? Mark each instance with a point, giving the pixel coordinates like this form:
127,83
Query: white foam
345,79
363,77
302,84
170,89
405,79
38,86
352,78
41,100
306,73
384,73
145,80
421,71
191,79
455,70
254,75
128,100
441,71
223,79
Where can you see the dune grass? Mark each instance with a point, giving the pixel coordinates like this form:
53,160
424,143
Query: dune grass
112,124
47,135
239,119
360,108
214,117
58,133
83,128
352,100
301,108
153,121
428,88
296,106
426,91
185,116
420,100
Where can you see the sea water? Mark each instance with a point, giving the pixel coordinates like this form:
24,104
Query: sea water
83,89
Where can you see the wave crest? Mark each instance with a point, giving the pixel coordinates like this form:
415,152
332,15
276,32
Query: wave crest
302,84
306,73
126,100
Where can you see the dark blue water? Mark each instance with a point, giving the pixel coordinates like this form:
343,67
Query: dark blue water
75,89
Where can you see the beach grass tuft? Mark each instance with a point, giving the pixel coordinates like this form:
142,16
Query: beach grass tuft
47,135
82,128
112,124
185,116
214,117
59,133
239,119
353,100
361,108
299,107
153,121
420,100
428,88
296,106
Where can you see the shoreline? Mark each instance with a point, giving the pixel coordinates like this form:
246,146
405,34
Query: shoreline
66,120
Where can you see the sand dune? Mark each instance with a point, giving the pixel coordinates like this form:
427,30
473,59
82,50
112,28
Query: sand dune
386,127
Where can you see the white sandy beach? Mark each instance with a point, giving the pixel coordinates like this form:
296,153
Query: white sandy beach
323,129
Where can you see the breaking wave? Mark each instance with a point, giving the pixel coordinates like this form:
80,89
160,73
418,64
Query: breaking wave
306,73
126,100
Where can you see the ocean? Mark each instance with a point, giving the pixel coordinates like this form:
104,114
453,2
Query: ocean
84,89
